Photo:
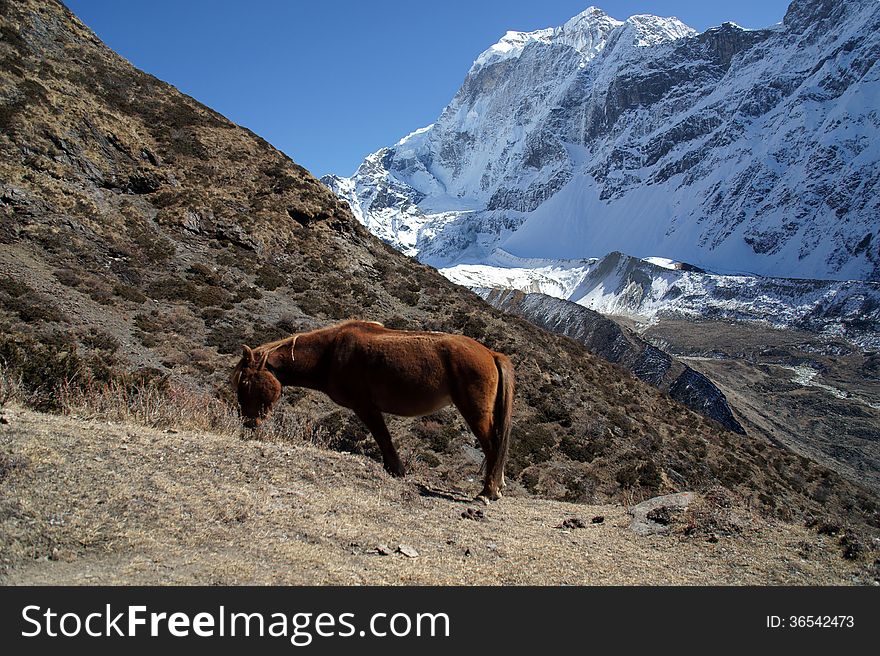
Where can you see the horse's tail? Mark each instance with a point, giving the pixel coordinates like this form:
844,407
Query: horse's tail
502,415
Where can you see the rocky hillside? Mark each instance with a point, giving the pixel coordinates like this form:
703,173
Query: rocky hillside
145,237
608,339
739,151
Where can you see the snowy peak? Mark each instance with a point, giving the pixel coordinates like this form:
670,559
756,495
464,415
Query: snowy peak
646,30
649,288
588,33
510,46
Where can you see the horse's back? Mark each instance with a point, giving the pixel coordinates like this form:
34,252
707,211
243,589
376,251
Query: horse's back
408,372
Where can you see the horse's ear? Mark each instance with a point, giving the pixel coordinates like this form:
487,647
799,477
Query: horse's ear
247,354
263,360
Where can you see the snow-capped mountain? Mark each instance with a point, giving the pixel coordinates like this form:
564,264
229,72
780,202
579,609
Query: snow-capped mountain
739,151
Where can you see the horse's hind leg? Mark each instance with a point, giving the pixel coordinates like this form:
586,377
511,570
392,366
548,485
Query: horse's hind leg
376,423
481,424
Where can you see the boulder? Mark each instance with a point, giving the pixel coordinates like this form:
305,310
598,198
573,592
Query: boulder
643,525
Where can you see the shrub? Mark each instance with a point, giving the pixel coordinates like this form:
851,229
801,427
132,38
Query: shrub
100,340
153,247
129,293
269,277
68,277
41,369
644,472
583,449
436,435
210,315
406,291
228,339
14,288
650,475
27,303
581,488
34,307
345,432
397,322
627,475
529,444
203,274
174,288
549,410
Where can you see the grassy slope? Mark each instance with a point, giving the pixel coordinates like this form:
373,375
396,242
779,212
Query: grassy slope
96,502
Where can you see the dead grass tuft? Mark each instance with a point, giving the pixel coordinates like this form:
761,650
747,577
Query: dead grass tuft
155,404
159,403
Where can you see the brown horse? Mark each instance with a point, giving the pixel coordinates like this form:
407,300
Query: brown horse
373,370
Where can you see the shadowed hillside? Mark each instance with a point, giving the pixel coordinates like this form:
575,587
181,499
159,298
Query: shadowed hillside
144,238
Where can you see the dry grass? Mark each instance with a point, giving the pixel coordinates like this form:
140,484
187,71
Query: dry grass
98,502
151,405
162,405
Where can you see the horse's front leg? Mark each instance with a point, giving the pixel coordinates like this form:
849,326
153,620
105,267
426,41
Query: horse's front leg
376,423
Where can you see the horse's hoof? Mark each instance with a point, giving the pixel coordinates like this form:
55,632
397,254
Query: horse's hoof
396,472
486,496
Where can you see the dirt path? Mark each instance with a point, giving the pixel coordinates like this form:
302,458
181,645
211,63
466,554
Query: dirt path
97,503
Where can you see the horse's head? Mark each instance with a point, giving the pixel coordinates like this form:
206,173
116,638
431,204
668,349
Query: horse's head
257,387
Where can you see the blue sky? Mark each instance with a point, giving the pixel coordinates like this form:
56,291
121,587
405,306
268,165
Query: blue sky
330,82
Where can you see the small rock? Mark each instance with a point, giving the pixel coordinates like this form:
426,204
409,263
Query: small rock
171,431
598,519
381,549
407,551
55,555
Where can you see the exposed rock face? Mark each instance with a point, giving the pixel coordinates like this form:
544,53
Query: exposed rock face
736,150
619,345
